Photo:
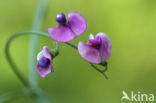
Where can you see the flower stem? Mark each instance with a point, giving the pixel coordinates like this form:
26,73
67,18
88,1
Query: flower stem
56,49
72,45
101,71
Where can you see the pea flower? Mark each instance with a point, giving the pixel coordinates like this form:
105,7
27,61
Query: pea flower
97,50
68,30
44,66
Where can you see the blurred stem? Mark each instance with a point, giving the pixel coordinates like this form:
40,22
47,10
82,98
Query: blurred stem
96,68
38,20
15,94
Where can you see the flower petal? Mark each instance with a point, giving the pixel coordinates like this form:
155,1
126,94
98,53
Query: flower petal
106,46
89,53
61,34
46,53
45,71
95,42
77,23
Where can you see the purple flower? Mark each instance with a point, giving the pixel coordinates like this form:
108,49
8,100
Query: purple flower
98,50
44,66
67,31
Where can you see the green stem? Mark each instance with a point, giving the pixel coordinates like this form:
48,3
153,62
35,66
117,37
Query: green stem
101,71
38,20
56,49
72,45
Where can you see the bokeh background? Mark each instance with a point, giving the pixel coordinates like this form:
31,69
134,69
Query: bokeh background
131,26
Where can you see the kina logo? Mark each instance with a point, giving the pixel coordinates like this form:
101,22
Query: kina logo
137,97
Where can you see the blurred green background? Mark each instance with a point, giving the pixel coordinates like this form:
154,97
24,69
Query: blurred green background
131,26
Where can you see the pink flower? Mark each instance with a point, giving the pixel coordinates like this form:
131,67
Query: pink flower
98,50
68,30
44,66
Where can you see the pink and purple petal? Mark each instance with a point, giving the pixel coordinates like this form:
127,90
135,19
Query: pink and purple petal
95,42
77,23
61,34
46,53
47,68
43,72
106,46
89,53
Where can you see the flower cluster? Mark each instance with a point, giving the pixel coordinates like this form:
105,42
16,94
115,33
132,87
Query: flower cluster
97,51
